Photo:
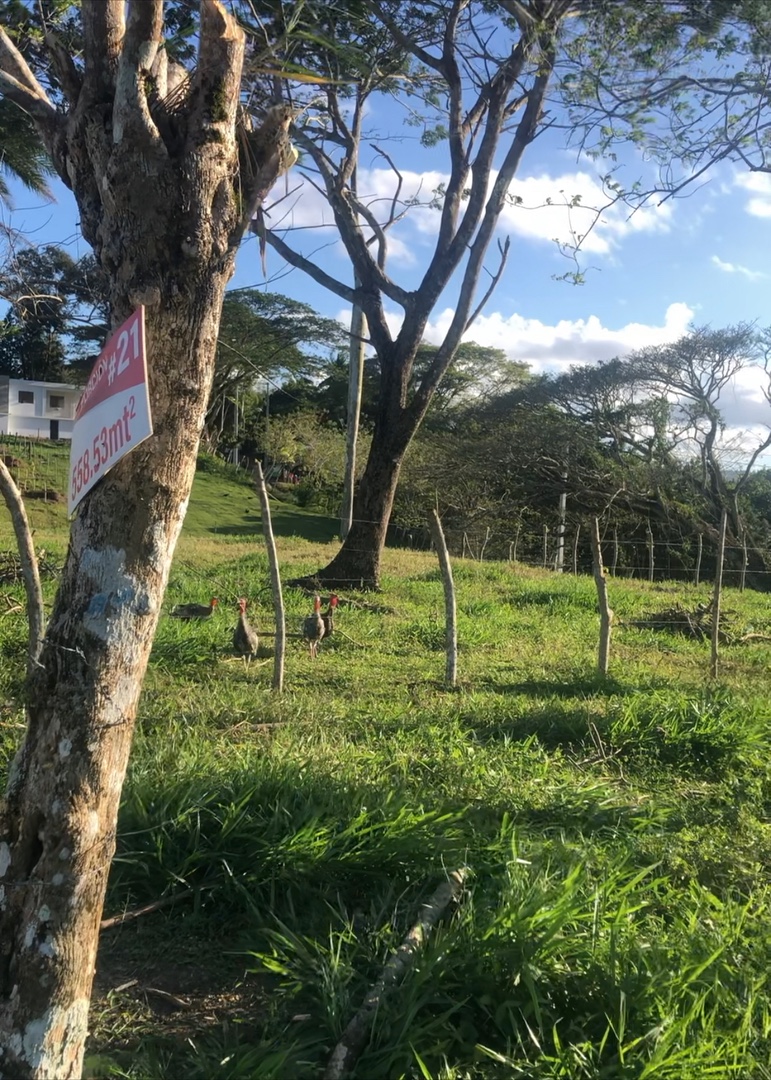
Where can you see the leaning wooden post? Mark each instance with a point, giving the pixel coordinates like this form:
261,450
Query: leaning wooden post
606,615
516,541
717,594
698,561
745,561
275,581
29,567
649,536
437,535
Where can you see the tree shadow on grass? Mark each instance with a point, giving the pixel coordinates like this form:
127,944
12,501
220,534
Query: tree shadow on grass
553,728
286,522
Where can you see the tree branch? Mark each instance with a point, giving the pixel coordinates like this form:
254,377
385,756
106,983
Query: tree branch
406,42
131,116
103,29
524,134
64,67
320,276
504,250
342,204
18,83
218,73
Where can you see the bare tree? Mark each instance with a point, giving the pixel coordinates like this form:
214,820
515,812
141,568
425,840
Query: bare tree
495,95
150,151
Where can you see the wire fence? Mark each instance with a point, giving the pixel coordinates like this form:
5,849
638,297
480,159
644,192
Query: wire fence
42,472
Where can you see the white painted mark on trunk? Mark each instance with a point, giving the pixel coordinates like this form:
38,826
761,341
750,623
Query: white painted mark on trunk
47,1042
48,947
112,610
65,746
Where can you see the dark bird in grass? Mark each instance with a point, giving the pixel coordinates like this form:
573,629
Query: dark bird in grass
195,611
313,627
245,640
328,618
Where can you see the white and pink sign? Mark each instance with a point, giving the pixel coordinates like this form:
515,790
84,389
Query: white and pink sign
113,414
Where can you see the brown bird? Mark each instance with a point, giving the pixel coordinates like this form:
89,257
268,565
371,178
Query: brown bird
245,640
328,618
195,611
313,627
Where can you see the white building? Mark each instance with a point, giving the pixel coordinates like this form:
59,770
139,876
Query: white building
37,410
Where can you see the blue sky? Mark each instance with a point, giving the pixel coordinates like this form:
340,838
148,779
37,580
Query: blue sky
700,258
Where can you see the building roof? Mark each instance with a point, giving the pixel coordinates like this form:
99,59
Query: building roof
41,382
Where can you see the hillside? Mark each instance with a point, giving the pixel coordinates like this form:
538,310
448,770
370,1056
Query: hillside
223,501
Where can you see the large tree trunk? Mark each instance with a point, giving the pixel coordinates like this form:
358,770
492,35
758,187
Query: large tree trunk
357,563
161,208
59,815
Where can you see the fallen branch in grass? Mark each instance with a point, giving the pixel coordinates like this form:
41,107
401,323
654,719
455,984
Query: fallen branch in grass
146,909
352,1042
348,637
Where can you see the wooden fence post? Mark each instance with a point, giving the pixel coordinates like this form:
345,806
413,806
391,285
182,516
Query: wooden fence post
575,549
698,560
717,594
275,581
606,614
484,544
451,619
545,546
745,561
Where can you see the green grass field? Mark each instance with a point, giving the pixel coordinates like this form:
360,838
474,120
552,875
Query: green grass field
617,922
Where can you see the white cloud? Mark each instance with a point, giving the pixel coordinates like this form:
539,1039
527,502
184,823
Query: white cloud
743,402
737,268
552,347
569,341
759,185
546,213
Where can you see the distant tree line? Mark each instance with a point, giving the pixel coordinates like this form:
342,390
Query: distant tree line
640,439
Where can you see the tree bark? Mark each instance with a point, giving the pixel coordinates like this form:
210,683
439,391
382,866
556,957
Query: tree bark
357,564
158,193
58,819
